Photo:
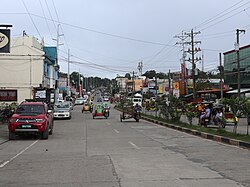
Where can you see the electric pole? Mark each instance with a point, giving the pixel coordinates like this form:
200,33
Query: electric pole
193,60
183,37
221,76
140,66
237,49
57,58
68,81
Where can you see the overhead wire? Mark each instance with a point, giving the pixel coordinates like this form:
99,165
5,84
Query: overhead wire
51,17
31,19
105,33
60,25
45,19
221,14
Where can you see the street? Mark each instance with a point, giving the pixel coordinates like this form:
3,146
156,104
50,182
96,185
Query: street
101,152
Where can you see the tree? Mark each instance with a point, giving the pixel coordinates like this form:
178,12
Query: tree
150,74
127,75
162,75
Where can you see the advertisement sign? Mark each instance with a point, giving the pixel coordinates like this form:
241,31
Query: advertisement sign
8,95
40,94
4,41
176,93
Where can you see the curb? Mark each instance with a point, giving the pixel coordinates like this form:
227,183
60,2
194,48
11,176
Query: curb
217,138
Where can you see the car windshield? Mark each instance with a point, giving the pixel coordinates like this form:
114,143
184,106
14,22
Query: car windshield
79,99
38,109
62,106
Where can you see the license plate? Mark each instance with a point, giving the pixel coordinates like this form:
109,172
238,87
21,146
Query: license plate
26,126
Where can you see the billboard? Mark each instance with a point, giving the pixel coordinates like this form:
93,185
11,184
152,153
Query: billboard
4,41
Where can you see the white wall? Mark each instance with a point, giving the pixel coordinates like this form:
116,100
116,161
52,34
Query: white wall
22,68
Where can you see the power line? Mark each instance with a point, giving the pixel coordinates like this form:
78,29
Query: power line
45,18
104,33
221,14
60,25
31,19
224,19
50,15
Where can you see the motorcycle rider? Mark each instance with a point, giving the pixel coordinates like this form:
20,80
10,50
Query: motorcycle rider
205,114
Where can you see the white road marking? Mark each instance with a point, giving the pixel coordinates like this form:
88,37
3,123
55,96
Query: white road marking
107,123
8,161
116,131
135,146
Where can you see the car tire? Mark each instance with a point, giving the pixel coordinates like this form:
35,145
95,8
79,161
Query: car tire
51,128
45,134
12,135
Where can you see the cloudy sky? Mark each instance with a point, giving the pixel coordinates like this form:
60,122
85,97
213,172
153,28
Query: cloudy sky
110,37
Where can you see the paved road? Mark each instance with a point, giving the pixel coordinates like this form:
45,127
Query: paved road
102,152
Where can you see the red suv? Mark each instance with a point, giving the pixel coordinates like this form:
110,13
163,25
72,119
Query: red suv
31,118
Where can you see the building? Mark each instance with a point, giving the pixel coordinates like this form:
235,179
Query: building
28,66
231,67
121,83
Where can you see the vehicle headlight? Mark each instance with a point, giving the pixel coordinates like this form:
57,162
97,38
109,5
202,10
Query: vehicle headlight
13,120
40,120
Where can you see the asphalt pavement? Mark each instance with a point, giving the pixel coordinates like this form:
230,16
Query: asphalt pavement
102,152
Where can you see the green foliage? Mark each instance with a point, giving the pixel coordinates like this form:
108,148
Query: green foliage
191,112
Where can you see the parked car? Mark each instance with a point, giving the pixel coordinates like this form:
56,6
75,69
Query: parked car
62,110
79,101
31,118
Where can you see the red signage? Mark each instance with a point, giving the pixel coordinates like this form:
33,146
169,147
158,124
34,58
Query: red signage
8,95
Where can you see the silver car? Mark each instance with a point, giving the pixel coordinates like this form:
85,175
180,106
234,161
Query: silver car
62,110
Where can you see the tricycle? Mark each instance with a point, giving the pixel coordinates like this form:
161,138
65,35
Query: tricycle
131,112
100,111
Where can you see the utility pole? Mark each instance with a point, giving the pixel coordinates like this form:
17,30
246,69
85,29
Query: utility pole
193,60
140,66
68,81
57,58
237,48
183,37
221,76
169,85
133,86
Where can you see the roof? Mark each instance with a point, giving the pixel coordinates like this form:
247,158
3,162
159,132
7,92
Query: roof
242,90
231,51
32,103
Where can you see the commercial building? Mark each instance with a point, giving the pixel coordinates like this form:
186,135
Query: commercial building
231,67
28,66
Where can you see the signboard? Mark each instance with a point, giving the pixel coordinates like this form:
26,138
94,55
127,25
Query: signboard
4,41
8,95
176,93
40,94
176,85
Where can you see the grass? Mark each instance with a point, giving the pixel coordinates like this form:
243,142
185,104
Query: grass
214,131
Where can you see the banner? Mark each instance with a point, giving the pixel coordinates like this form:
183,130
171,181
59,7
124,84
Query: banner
4,41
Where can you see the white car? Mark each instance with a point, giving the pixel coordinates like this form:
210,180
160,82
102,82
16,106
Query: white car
79,101
62,110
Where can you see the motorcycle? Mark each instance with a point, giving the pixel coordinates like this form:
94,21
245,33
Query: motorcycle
137,115
106,112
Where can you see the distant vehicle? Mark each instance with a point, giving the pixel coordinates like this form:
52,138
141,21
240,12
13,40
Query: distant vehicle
31,118
100,111
99,100
79,101
105,99
62,110
87,107
137,99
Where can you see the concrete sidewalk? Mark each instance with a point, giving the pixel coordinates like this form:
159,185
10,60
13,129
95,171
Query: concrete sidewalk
3,132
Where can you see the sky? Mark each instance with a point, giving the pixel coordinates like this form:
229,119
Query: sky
106,38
